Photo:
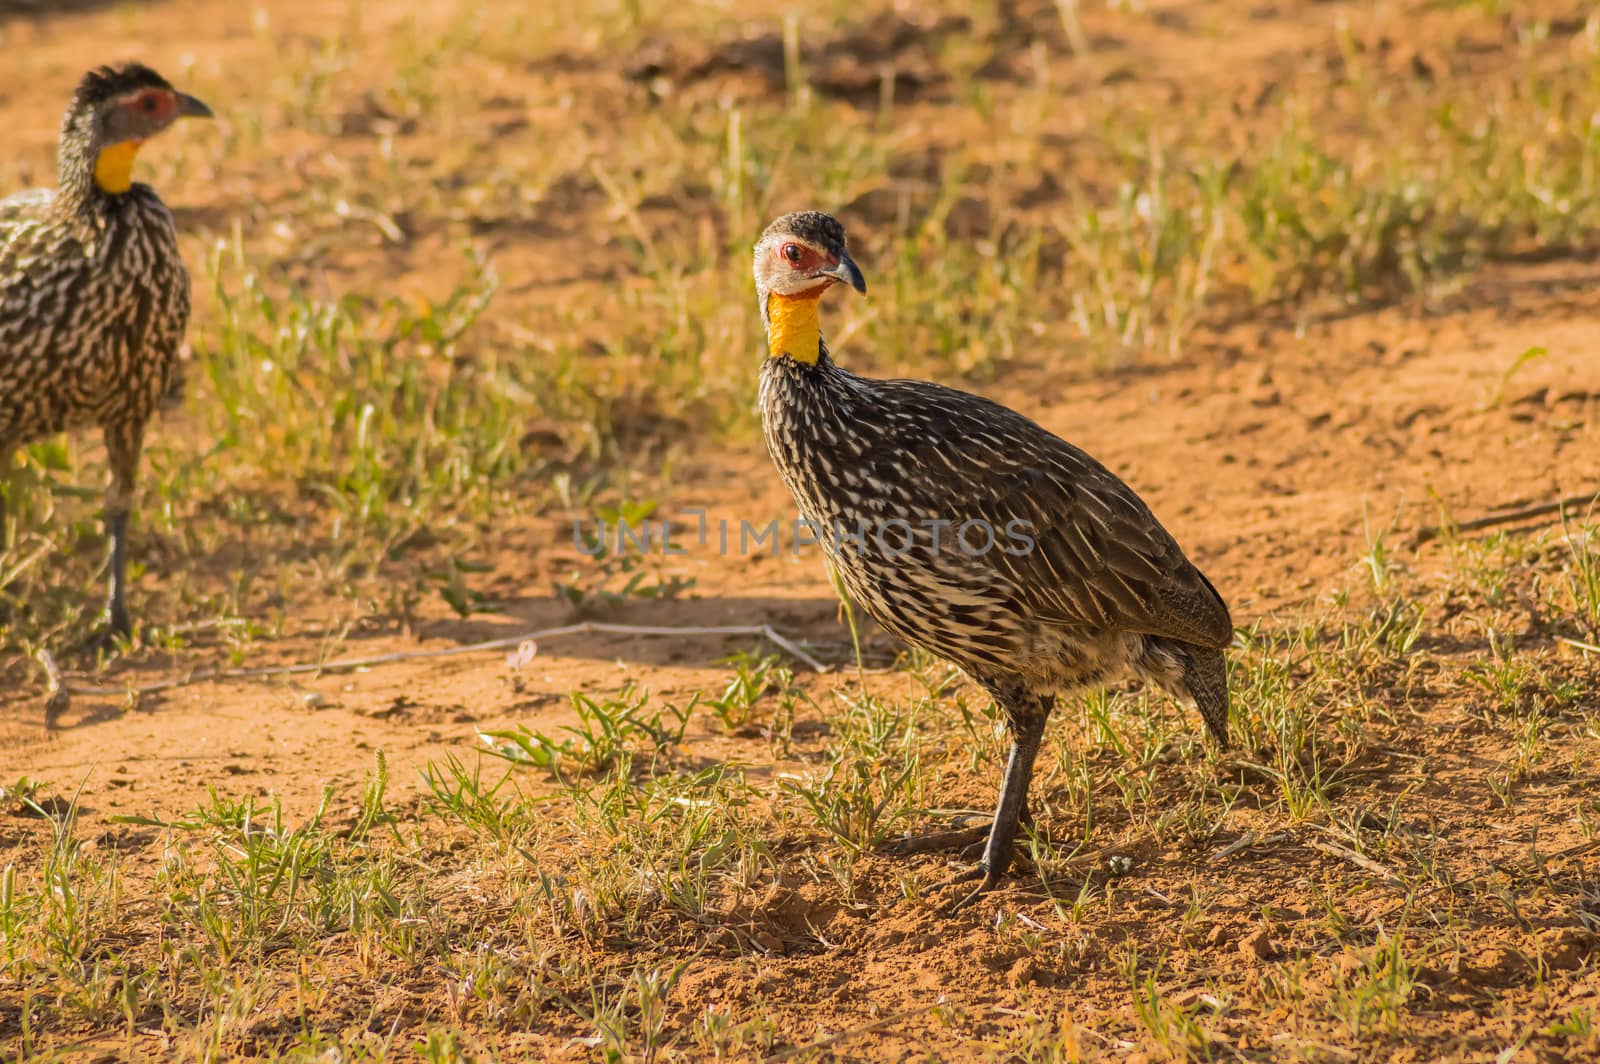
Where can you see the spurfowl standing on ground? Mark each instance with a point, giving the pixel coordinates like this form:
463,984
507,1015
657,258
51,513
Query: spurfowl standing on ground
94,298
968,530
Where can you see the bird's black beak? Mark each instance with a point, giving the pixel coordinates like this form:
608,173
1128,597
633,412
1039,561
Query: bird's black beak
847,272
189,107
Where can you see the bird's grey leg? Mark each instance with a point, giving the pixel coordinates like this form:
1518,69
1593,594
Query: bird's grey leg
122,448
117,600
1027,734
967,838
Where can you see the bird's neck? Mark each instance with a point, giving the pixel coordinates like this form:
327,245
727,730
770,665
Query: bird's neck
90,177
793,326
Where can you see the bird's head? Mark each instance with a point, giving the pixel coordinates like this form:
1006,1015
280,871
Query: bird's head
799,257
115,110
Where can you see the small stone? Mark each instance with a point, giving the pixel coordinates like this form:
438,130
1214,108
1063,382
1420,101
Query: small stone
1196,998
313,699
1258,945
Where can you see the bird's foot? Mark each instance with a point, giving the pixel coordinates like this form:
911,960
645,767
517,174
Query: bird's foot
989,879
108,637
56,704
57,699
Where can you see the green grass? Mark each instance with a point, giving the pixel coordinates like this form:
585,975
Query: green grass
365,434
576,905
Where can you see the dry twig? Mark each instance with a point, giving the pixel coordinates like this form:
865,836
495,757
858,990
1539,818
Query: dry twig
1344,853
585,628
1246,841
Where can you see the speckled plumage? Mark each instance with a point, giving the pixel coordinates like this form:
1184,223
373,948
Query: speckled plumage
1102,589
94,297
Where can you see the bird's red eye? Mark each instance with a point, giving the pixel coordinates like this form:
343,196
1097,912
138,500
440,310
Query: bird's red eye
148,103
792,253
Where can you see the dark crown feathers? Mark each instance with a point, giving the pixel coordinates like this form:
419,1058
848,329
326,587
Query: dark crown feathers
814,227
107,82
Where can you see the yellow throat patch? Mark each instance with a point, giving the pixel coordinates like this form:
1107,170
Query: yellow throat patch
792,325
113,168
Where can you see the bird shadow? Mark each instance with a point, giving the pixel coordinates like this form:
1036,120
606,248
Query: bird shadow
659,633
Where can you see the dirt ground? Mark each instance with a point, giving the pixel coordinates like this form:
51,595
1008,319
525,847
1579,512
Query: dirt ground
1272,447
1302,447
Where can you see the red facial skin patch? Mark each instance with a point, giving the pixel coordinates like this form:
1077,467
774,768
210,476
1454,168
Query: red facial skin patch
807,259
153,103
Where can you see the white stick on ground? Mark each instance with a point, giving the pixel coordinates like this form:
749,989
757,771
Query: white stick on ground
584,628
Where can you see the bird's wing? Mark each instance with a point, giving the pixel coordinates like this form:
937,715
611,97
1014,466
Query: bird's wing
1098,557
22,218
23,236
174,327
30,203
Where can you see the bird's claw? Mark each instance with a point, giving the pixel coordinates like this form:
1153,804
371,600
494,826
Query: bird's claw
991,879
108,636
56,704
